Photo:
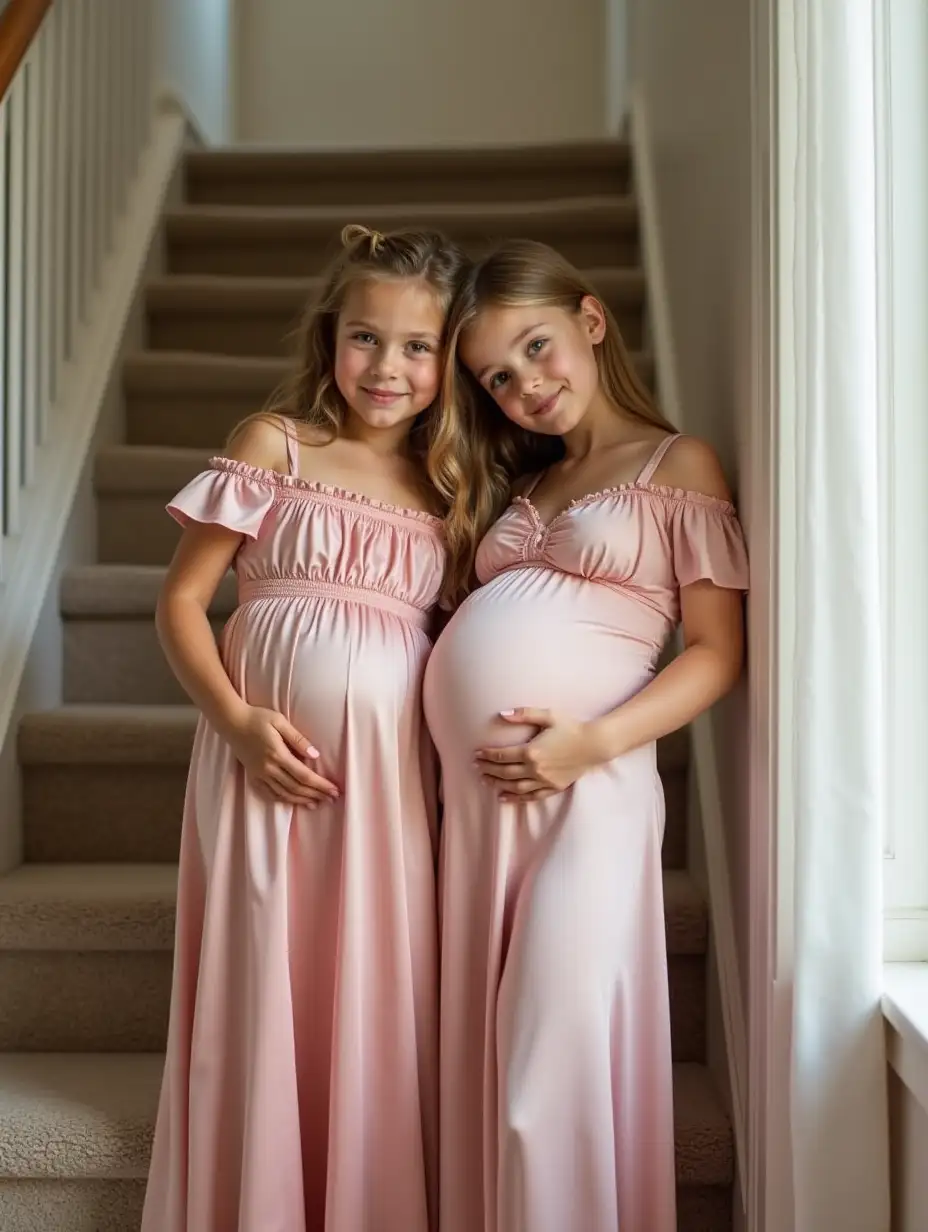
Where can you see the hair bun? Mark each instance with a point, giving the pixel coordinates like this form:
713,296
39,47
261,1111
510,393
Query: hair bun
355,232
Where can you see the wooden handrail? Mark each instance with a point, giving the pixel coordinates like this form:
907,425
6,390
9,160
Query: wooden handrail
19,24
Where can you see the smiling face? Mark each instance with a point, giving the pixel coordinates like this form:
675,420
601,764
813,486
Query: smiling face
388,350
538,362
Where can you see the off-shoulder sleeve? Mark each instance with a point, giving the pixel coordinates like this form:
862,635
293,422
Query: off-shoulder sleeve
708,544
234,499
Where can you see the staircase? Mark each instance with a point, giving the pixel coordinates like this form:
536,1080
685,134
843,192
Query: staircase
86,922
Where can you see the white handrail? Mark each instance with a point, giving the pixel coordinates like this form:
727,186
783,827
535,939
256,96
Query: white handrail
73,125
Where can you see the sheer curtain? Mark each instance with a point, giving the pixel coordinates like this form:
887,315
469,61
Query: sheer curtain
839,1123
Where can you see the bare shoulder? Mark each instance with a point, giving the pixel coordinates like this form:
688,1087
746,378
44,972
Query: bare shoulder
693,465
521,485
260,441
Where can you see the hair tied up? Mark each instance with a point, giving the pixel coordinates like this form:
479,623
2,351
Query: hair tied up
355,232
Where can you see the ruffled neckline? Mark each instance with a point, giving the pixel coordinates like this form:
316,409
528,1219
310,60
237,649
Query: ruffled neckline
663,491
278,479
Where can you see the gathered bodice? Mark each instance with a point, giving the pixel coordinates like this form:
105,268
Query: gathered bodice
642,539
298,531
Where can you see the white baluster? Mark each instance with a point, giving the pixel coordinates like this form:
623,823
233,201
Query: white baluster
4,285
75,155
148,45
123,123
73,127
64,75
16,249
48,57
134,93
33,266
91,157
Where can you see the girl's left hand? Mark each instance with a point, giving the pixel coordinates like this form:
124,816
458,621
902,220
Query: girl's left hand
547,764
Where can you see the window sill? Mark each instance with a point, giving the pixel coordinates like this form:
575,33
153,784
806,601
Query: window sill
905,1009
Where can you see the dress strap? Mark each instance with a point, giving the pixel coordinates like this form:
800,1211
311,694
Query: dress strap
533,485
657,457
293,446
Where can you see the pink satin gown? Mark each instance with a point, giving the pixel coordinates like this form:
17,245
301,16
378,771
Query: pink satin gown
556,1081
300,1092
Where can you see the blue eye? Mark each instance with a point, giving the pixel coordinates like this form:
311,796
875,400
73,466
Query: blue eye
497,380
536,346
364,337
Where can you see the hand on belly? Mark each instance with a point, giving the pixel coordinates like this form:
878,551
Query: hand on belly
546,763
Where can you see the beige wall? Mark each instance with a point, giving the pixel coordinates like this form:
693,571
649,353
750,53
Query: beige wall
196,61
616,64
690,74
420,72
909,1140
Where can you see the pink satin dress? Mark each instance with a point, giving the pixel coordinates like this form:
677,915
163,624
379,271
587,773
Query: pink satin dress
301,1084
556,1080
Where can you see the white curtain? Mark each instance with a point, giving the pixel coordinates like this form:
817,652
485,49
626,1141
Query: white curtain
839,1123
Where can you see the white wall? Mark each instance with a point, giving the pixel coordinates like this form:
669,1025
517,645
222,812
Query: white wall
196,61
690,78
420,72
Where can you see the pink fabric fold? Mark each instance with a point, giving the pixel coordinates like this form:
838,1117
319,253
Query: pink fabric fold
237,502
708,545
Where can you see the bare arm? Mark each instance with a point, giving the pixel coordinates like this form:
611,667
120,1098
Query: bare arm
713,633
269,747
696,679
202,559
707,669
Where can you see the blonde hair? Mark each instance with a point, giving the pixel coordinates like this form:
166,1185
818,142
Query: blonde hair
440,436
516,274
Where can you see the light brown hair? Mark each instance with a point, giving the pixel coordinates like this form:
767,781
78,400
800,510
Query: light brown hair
440,436
516,274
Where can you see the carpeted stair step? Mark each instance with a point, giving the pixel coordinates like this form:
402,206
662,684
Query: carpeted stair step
107,783
133,483
258,316
111,648
75,1140
86,949
85,957
76,1130
299,241
382,177
194,401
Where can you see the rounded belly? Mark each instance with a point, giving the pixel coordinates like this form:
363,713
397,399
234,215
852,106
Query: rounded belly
330,667
528,639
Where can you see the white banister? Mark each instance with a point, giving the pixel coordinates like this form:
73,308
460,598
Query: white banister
73,125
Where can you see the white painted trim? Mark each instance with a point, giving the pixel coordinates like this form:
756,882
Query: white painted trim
905,1008
769,1194
170,103
705,761
905,934
30,557
775,24
658,299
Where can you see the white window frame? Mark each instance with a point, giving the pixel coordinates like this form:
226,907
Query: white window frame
902,218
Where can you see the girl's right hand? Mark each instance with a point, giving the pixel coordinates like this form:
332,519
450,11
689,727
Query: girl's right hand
274,755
